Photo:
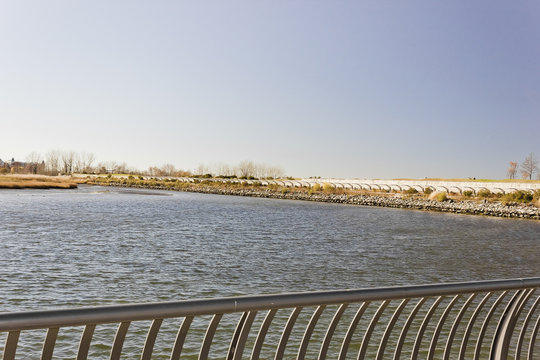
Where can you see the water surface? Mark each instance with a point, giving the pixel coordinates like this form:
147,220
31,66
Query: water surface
98,245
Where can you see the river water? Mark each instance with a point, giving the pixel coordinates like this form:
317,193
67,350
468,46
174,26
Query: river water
98,246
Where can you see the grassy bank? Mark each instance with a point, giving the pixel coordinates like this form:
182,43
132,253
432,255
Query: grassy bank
202,185
440,202
37,182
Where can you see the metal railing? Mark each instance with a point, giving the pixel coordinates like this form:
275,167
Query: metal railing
473,320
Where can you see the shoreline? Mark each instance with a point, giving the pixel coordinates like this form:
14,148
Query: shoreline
467,207
25,181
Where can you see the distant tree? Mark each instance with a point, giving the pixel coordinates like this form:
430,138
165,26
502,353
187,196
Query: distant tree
84,162
33,162
201,170
168,170
182,173
68,161
276,172
512,170
529,166
52,162
225,170
246,169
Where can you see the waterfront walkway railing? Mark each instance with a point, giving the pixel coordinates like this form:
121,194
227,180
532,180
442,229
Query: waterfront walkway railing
472,320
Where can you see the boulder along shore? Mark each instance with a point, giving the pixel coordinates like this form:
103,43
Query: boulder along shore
472,207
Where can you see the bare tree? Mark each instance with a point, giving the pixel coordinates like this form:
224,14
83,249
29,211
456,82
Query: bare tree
512,170
260,171
154,171
182,173
168,169
529,166
201,170
86,161
52,162
224,170
33,157
276,172
246,169
68,160
33,162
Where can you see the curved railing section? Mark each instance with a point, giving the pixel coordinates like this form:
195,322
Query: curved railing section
474,320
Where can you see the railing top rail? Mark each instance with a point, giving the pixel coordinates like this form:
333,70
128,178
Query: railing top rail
136,312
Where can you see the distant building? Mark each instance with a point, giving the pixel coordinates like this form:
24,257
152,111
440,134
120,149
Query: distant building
14,166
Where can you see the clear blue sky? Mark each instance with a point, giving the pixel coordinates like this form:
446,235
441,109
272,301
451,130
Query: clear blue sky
375,89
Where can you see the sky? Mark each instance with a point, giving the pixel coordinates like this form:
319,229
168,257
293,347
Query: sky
350,89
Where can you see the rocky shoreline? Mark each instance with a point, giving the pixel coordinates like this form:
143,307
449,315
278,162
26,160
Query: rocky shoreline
471,207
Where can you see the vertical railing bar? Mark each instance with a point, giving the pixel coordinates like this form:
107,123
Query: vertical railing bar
533,338
286,333
504,315
351,329
118,343
180,338
472,320
48,345
238,353
389,327
259,341
485,323
524,328
86,339
505,327
236,335
455,325
423,326
370,328
11,345
330,331
405,329
209,336
151,339
438,328
309,331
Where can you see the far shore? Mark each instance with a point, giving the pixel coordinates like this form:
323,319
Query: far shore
519,204
452,203
26,181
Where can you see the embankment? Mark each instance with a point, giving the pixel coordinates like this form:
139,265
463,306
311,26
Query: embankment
472,207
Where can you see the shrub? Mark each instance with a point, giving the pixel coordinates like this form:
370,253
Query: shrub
285,191
484,193
440,197
327,187
428,190
316,187
411,191
518,196
468,193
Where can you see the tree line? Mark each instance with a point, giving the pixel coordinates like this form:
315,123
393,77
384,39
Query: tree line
527,168
59,162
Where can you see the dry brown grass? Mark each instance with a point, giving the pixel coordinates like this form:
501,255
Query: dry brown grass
37,182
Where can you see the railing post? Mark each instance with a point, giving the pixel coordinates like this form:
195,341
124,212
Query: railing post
505,329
